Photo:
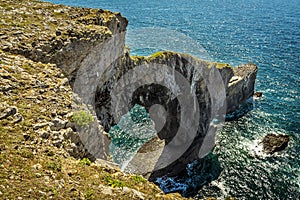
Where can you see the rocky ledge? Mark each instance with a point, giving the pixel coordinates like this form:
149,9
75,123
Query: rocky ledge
46,51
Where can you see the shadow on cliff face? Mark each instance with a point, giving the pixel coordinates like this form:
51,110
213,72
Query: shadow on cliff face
180,85
241,111
187,173
196,175
154,94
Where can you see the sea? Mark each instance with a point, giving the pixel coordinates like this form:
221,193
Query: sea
263,32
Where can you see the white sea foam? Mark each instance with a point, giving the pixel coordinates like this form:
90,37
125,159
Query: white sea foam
221,186
256,148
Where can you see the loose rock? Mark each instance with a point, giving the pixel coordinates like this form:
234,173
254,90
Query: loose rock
40,125
58,124
8,112
257,94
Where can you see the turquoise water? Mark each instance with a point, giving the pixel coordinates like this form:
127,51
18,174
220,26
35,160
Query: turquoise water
239,31
132,131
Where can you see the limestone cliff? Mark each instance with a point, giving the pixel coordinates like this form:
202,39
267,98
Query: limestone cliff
238,83
86,49
241,86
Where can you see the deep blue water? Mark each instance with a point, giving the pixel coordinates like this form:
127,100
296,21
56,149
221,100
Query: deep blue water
239,31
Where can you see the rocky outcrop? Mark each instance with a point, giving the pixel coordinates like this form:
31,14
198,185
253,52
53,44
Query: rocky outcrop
23,93
210,94
241,86
88,45
64,38
273,143
11,112
38,137
257,95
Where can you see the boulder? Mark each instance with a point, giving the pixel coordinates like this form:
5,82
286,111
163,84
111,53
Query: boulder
258,94
58,124
9,111
273,143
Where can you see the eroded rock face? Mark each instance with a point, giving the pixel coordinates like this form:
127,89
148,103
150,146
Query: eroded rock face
67,37
273,143
166,159
241,86
62,35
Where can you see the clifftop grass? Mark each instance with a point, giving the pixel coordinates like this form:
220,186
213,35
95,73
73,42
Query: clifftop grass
169,54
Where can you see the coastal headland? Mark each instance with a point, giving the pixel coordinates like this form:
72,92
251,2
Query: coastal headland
45,52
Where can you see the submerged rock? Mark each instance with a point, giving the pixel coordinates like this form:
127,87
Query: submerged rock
196,175
257,94
134,129
273,143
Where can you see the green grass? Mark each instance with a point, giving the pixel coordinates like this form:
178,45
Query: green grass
137,58
85,161
139,179
54,165
160,54
114,182
82,118
27,154
89,194
222,65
